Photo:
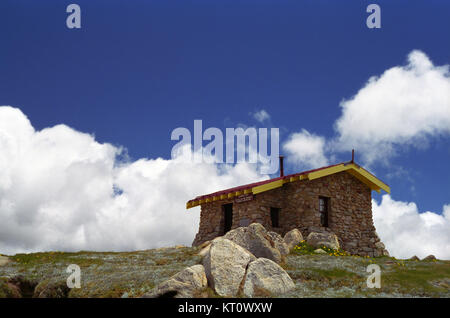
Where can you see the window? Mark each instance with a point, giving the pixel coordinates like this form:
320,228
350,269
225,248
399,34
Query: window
323,209
274,216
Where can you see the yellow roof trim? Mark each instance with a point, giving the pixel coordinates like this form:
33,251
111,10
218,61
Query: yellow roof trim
267,186
366,177
327,171
358,172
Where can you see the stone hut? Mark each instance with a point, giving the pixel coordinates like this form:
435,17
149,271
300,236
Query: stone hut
336,198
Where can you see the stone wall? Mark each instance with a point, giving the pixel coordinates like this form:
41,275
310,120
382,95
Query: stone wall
349,215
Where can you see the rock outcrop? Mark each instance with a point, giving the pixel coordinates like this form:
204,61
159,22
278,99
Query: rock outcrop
279,243
264,277
225,265
292,238
317,239
234,265
184,284
205,250
256,240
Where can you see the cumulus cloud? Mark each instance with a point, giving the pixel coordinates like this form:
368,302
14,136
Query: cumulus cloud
261,116
407,232
306,150
60,189
405,106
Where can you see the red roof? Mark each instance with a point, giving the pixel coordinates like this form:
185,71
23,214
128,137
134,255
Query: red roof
255,184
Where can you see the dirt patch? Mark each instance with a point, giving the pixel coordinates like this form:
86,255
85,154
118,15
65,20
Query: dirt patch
4,260
23,287
49,289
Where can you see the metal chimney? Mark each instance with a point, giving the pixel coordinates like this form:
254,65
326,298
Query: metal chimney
281,167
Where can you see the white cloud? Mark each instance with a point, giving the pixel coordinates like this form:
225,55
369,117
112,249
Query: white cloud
447,211
60,189
406,232
405,106
57,185
402,107
261,116
306,150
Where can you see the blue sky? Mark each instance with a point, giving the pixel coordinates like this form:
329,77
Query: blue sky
138,69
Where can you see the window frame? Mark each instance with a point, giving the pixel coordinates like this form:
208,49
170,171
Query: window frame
324,210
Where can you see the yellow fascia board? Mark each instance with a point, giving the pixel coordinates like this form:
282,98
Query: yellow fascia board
295,178
192,204
327,171
364,180
267,186
303,177
360,173
376,183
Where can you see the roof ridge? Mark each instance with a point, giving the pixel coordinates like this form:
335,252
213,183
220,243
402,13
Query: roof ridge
251,185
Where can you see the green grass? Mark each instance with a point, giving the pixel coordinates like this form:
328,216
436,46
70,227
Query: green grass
5,290
111,274
334,273
419,278
103,274
304,248
80,258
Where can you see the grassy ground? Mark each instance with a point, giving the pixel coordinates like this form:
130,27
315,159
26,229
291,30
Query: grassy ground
131,274
103,274
346,276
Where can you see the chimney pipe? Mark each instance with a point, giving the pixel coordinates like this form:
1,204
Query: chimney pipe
353,155
281,167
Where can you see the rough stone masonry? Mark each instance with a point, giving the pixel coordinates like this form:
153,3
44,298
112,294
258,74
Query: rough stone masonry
349,212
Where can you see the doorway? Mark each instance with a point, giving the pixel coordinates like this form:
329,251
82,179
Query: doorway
227,217
275,217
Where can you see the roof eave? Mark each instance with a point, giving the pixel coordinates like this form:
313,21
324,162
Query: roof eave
357,171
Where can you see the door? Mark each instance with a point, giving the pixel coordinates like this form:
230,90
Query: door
228,217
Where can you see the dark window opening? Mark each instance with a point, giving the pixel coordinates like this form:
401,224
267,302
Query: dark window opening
323,209
228,217
275,217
